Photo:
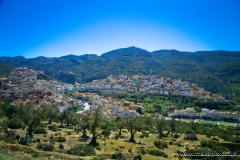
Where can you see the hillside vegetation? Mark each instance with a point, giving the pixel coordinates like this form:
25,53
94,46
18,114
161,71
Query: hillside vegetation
5,69
27,133
216,71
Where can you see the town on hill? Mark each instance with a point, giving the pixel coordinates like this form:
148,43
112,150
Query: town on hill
22,85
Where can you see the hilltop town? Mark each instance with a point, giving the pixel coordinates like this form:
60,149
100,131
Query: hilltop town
124,84
22,86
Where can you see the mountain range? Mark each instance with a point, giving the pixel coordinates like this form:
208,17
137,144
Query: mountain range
216,71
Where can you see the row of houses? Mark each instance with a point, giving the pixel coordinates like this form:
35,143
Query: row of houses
206,114
124,84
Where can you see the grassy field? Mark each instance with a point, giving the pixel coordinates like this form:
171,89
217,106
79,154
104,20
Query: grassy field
106,147
227,124
208,122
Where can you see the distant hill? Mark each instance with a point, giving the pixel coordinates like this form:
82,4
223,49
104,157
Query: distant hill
216,71
5,69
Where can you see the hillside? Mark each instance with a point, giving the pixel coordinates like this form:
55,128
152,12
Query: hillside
216,71
5,69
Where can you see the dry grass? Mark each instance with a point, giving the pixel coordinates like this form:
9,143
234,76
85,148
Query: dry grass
106,146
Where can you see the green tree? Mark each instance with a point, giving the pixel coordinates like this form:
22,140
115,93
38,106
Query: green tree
50,113
160,126
30,117
133,125
120,123
157,107
9,110
62,116
68,116
74,120
148,121
95,123
172,124
84,124
106,132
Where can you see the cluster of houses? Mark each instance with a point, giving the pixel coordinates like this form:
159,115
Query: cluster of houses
111,107
206,114
22,86
124,84
23,74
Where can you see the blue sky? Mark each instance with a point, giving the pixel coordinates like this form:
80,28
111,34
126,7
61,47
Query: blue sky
54,28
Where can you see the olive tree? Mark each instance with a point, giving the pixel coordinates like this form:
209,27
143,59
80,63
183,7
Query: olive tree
84,124
160,126
120,123
50,113
31,117
95,123
134,125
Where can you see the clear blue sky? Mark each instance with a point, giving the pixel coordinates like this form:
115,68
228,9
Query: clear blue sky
54,28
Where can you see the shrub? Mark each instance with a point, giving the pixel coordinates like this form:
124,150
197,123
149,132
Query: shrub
118,155
60,139
52,128
35,154
15,123
157,153
204,143
145,133
178,144
216,139
51,138
191,137
98,148
40,130
157,143
82,150
176,136
171,143
160,144
142,136
68,132
17,137
188,131
142,150
165,134
25,139
61,146
45,146
208,135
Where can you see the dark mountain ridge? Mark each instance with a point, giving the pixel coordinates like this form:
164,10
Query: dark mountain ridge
216,71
